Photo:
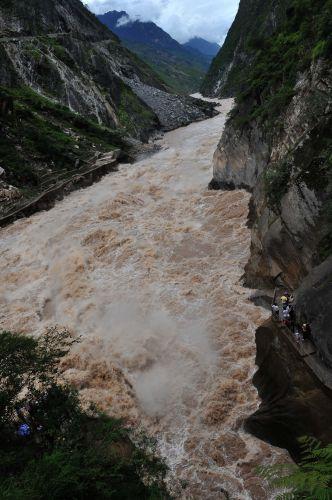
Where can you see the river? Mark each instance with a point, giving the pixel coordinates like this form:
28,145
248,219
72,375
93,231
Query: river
146,265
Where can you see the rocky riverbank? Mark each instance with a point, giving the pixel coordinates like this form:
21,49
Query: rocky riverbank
295,402
173,111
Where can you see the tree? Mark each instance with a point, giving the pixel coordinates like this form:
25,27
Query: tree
67,452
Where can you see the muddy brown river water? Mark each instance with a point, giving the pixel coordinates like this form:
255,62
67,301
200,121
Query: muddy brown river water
146,265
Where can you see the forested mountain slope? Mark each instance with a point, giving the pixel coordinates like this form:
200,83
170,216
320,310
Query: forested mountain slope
182,69
255,21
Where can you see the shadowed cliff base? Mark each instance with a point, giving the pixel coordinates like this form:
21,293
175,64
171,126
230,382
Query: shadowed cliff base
294,402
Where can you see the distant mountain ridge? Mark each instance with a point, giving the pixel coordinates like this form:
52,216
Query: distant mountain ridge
203,46
182,67
137,31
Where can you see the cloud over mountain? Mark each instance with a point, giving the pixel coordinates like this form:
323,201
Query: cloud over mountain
182,19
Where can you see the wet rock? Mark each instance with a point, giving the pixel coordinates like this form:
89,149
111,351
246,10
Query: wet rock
312,298
294,402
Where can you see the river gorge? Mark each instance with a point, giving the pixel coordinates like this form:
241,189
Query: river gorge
147,267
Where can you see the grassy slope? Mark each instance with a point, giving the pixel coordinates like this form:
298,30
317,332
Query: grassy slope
44,141
182,73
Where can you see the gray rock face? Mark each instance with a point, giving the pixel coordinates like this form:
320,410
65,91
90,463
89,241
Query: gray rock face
312,299
294,403
285,237
284,240
240,159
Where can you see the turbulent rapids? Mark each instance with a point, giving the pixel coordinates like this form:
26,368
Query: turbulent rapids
146,265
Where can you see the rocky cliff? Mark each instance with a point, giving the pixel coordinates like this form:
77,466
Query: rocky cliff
278,144
69,89
255,20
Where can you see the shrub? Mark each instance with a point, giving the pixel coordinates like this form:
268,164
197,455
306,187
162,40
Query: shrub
67,452
311,479
276,182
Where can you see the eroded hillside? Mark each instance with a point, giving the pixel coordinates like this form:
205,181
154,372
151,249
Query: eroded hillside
70,91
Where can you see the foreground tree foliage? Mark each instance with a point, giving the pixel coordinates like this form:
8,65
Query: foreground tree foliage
310,480
64,451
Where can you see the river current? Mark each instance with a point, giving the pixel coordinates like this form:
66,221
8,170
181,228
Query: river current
146,266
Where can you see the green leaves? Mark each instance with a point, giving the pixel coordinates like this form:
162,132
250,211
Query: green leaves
310,480
304,35
69,452
276,181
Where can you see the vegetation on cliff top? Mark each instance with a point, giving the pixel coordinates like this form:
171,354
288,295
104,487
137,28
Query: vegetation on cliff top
304,36
302,39
51,447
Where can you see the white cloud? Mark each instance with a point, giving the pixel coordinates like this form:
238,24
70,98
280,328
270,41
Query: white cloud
182,19
123,21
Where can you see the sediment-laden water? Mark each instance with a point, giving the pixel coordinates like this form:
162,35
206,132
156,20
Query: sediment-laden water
146,265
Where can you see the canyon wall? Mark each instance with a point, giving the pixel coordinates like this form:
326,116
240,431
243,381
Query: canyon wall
255,20
277,144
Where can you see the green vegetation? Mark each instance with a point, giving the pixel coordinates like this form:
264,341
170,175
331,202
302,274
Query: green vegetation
310,480
43,137
57,49
133,114
183,73
276,56
63,451
243,40
276,181
304,35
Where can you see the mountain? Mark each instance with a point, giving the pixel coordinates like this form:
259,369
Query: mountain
255,20
182,69
277,144
203,46
69,90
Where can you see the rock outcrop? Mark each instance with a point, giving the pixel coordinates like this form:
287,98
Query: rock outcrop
255,19
173,111
61,50
294,403
285,235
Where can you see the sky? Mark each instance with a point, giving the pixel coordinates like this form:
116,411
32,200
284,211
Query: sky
182,19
